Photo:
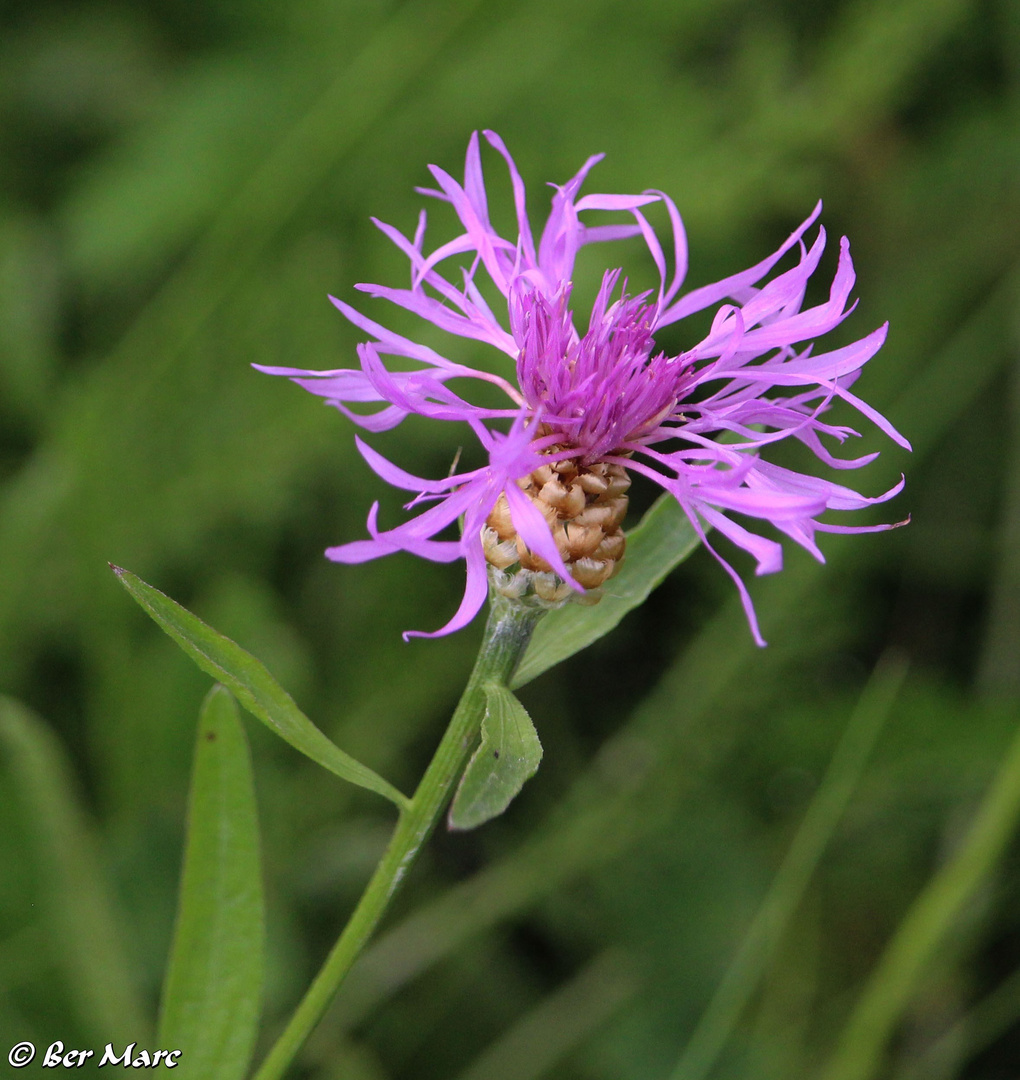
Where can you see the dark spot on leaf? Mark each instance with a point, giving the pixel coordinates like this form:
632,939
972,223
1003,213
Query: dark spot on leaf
210,736
495,754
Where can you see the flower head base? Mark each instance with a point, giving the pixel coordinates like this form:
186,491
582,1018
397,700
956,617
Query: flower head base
583,507
545,512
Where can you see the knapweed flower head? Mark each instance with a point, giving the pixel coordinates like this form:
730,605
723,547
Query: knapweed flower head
590,401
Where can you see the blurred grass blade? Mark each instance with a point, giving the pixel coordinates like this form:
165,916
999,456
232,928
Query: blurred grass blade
974,1031
661,541
508,756
213,989
750,963
75,896
253,686
562,1021
858,1055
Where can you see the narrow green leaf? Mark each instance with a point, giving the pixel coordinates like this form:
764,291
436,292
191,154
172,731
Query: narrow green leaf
661,541
76,906
213,988
253,686
507,756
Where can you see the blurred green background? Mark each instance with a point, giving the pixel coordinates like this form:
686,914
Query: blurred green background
181,184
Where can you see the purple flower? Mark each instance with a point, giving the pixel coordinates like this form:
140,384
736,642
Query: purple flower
591,403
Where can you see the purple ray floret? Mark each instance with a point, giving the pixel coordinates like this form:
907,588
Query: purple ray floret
602,394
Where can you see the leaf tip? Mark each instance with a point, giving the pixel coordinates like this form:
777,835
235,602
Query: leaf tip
459,821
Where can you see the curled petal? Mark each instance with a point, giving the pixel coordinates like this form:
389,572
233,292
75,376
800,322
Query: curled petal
475,589
524,239
699,299
397,477
768,553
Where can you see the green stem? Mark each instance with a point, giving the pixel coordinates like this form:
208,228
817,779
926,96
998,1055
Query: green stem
507,634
